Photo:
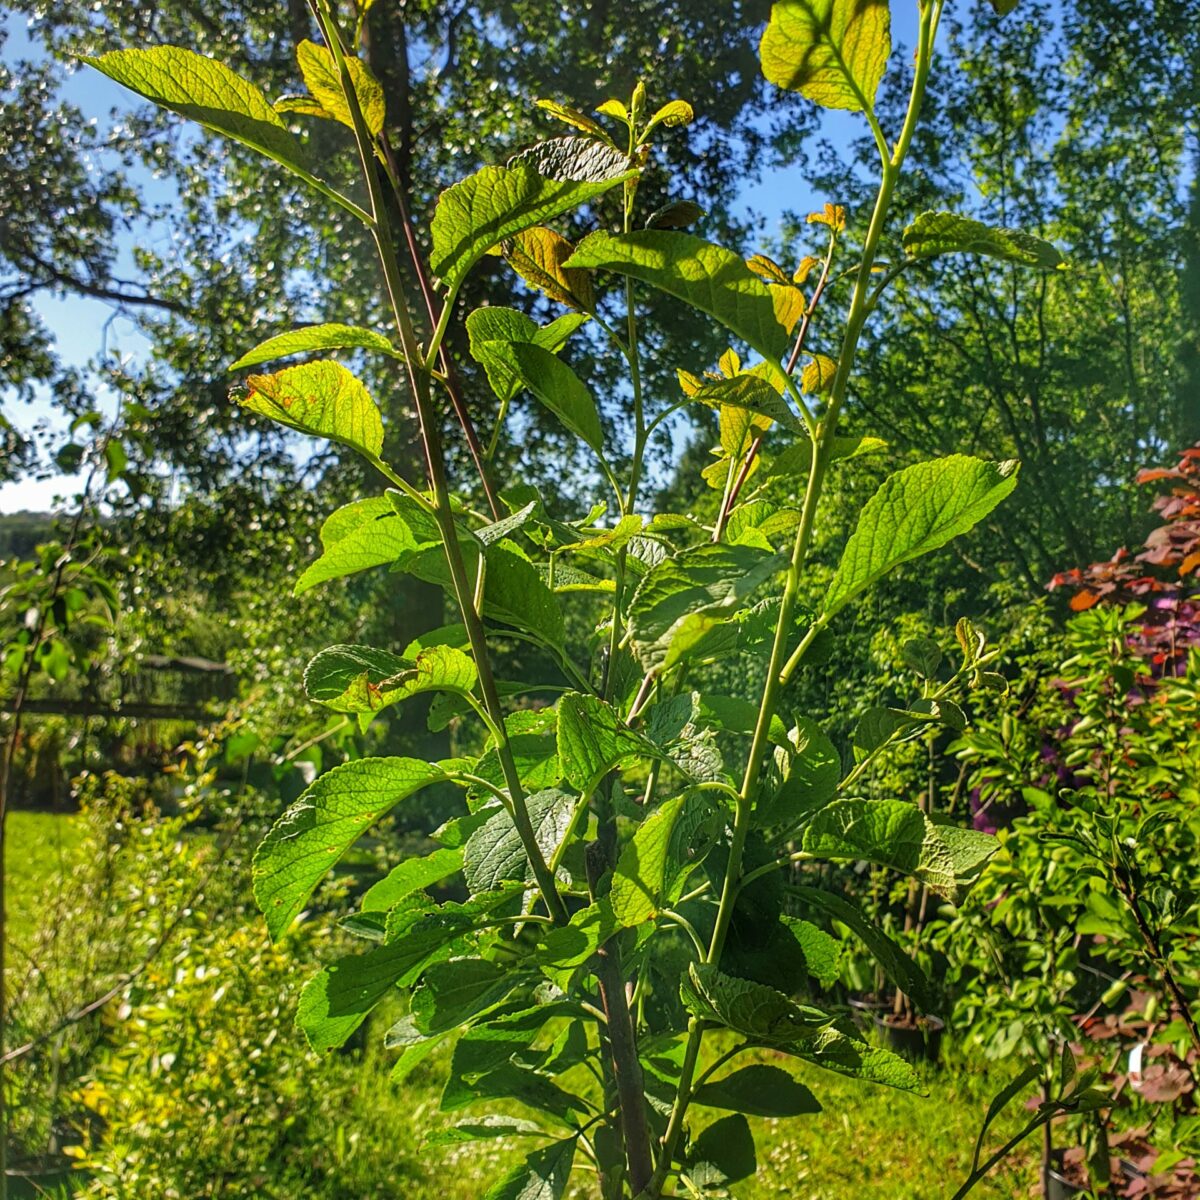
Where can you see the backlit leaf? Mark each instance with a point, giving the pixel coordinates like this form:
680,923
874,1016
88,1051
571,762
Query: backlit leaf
324,82
948,233
494,204
915,511
537,255
708,277
205,91
832,51
575,159
315,337
321,398
495,854
323,824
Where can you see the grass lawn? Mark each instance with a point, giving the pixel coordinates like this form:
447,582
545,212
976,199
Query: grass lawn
42,847
869,1143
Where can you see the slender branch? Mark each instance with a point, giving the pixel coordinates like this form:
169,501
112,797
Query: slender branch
419,379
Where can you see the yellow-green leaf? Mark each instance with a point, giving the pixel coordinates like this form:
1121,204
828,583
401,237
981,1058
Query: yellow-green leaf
706,276
832,51
324,82
494,204
205,91
321,398
538,254
948,233
674,112
572,116
315,337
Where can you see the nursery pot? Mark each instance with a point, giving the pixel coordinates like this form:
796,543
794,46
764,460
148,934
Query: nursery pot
921,1038
867,1010
1059,1188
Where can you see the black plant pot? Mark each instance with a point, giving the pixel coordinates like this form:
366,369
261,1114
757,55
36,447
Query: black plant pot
1059,1188
866,1011
920,1041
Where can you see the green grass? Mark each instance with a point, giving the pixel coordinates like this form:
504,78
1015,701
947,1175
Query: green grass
42,848
867,1143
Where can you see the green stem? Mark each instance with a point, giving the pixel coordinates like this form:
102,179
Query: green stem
419,379
823,444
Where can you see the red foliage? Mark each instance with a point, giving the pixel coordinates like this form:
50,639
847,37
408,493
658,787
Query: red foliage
1164,576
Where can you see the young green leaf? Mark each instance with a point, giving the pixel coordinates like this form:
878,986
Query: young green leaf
667,847
324,82
205,90
452,993
709,580
315,337
495,324
896,834
363,534
948,233
897,966
915,511
797,458
321,398
542,1176
496,203
411,876
361,679
758,1091
832,51
836,1051
552,382
813,772
750,392
708,277
322,825
573,117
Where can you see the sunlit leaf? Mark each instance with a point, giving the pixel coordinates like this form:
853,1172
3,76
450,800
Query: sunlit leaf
315,337
948,233
832,51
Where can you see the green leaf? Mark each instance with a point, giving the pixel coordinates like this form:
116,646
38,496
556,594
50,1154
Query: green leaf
836,1051
509,1082
205,91
797,458
572,116
315,337
750,392
814,770
821,952
592,740
758,1091
483,1129
361,679
338,999
324,82
708,277
321,398
895,834
723,1153
575,160
452,993
915,511
667,847
493,204
496,324
949,233
1004,7
897,965
494,853
551,381
678,214
322,825
542,1176
751,1009
410,876
363,534
674,597
832,51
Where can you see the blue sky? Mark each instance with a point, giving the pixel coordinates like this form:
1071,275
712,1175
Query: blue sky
83,327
